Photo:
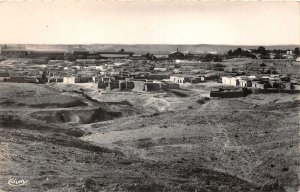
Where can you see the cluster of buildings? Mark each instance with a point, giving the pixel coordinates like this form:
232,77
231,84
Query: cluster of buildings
82,53
241,86
123,71
109,74
263,82
136,84
288,54
30,66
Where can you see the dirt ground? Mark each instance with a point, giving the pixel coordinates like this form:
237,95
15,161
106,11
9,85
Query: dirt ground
136,141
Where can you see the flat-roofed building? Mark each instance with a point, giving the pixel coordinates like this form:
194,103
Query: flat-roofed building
243,81
180,78
73,80
230,81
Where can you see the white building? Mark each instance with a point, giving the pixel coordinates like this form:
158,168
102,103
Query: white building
177,79
180,78
230,81
243,81
119,64
100,68
73,80
69,80
186,61
160,69
177,71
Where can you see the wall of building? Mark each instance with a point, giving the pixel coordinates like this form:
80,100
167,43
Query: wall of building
258,85
69,80
296,87
73,80
245,83
55,80
152,87
197,79
211,77
230,81
102,85
227,94
139,85
168,86
112,85
126,85
177,79
272,90
158,76
83,79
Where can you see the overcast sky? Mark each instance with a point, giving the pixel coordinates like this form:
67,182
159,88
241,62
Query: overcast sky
235,23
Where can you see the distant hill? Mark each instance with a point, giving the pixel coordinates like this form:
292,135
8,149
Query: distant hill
153,48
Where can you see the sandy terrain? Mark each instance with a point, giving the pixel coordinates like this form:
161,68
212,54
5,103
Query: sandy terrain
136,141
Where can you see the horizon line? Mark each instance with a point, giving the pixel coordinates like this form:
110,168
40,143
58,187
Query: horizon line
148,44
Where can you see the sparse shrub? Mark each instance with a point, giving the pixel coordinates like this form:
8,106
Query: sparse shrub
90,185
155,114
203,100
285,169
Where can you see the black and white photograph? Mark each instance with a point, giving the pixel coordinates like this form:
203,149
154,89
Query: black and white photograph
149,96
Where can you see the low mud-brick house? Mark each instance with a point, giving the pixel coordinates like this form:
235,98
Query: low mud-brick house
152,87
243,81
73,80
126,85
259,84
103,82
186,79
227,93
